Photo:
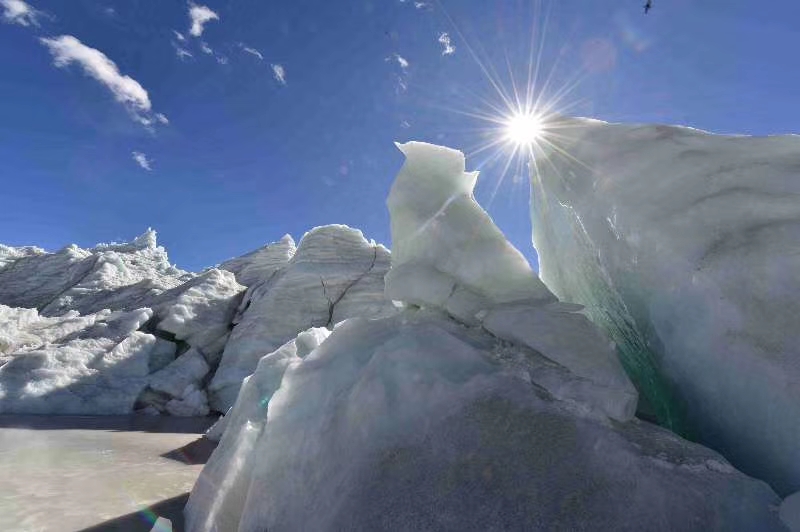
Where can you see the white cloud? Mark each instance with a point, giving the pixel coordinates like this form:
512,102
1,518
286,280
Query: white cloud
199,16
251,51
449,49
66,49
222,60
18,12
142,160
421,5
162,118
280,73
401,61
178,35
206,48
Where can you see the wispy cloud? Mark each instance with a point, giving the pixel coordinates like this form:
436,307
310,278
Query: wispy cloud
206,48
449,49
200,15
178,35
422,5
280,73
181,52
18,12
402,85
142,160
402,61
221,59
66,49
400,78
251,51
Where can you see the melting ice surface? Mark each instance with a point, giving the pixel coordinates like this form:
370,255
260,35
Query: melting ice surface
485,404
685,247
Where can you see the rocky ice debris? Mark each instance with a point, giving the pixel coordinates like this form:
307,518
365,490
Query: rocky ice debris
93,364
200,311
685,247
504,412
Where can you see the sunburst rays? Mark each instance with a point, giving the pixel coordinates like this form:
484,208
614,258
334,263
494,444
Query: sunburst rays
520,125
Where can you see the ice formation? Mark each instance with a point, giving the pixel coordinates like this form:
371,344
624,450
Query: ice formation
506,413
93,364
59,343
449,254
113,276
334,274
685,247
444,244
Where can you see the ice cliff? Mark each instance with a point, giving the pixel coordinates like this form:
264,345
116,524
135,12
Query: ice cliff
484,404
685,248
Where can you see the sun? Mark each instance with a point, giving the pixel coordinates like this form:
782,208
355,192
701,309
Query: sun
524,129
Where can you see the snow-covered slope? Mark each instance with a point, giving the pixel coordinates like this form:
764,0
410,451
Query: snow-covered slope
685,247
507,413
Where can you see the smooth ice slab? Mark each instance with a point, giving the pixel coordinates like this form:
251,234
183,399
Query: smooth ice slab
439,229
571,340
218,497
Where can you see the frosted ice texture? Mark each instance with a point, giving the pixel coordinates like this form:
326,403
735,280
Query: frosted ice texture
685,247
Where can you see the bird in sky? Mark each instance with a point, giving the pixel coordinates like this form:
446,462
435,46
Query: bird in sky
648,6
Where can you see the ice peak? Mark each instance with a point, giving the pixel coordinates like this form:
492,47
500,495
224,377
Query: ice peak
146,240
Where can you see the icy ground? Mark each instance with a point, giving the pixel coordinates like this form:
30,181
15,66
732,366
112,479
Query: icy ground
62,474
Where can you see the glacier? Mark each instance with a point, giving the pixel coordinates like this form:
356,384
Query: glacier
476,404
444,384
116,328
684,247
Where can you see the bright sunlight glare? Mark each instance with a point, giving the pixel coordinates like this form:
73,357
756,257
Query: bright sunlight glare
524,129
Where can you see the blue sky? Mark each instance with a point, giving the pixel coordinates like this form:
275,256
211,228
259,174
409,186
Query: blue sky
278,116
